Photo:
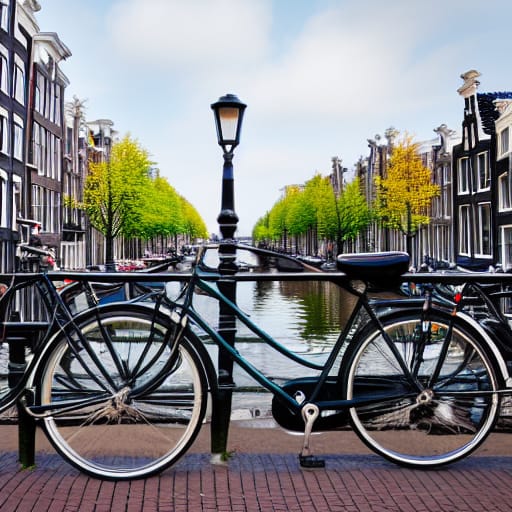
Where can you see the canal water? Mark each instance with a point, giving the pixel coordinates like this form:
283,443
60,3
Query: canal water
306,317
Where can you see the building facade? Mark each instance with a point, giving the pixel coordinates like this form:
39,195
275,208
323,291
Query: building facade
17,26
476,179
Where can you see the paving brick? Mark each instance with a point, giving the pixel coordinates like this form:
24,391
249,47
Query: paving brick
256,482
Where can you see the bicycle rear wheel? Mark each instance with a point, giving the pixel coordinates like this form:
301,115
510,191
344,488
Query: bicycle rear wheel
420,419
123,404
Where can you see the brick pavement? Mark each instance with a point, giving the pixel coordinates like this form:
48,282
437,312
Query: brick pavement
258,481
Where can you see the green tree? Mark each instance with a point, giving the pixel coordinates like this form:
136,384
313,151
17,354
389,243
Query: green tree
114,192
405,194
162,213
353,213
260,231
193,224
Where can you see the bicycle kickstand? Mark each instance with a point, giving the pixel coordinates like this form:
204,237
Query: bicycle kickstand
310,413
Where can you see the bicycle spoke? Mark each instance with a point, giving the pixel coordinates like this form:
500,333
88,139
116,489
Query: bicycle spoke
451,411
151,416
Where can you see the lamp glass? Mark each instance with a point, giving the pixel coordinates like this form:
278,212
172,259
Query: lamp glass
228,117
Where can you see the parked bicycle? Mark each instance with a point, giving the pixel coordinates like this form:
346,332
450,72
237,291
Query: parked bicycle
122,390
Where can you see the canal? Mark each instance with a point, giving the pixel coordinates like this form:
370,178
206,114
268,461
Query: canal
306,317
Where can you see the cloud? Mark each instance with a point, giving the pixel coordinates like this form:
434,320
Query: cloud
347,61
195,36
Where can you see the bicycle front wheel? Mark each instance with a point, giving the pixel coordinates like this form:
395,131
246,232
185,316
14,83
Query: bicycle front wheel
123,404
426,393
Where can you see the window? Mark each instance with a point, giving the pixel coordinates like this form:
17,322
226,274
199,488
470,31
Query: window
484,241
36,147
16,194
3,198
503,142
464,230
39,94
4,15
505,247
4,71
17,150
37,203
504,189
58,114
46,208
463,175
447,174
19,82
484,179
4,132
446,195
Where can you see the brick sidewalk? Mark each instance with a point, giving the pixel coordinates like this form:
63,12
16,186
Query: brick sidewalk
262,482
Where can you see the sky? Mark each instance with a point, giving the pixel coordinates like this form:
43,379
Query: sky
319,77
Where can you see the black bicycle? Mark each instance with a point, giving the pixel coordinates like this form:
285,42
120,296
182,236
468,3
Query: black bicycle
123,389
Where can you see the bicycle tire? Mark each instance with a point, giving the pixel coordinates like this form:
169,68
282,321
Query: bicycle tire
130,419
423,424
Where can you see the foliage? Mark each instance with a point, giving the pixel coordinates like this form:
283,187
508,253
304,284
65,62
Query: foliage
404,195
121,199
162,213
315,206
193,224
354,213
114,189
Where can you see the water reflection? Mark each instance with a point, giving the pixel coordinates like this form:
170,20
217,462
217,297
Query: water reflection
312,311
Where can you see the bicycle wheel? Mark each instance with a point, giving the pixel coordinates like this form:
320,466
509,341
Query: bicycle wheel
435,402
123,404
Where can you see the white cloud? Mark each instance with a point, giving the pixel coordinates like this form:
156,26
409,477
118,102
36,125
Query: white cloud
347,61
194,35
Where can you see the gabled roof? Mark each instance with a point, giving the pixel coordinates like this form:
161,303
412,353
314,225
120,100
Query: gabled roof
488,111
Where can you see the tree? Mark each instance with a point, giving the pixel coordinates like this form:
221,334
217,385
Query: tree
353,213
114,192
193,224
405,194
162,213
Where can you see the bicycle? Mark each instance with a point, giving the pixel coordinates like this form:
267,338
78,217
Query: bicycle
122,390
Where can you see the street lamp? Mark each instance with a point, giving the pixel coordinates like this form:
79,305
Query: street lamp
229,113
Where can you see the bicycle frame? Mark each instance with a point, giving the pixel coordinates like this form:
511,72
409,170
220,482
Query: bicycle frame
201,279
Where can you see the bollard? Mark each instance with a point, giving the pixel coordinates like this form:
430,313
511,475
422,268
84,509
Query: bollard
221,415
17,365
26,437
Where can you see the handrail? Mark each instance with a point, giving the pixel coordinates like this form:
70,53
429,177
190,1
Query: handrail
419,277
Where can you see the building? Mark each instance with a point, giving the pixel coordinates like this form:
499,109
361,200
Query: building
503,173
476,179
434,242
32,129
73,244
17,27
46,134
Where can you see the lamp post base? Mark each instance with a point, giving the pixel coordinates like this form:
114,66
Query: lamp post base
221,417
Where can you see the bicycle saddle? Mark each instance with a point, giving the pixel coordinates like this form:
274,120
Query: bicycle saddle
380,267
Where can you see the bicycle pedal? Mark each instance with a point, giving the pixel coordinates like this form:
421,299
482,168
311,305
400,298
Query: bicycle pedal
311,462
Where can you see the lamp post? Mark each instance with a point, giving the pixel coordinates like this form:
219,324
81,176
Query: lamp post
229,112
